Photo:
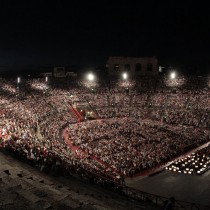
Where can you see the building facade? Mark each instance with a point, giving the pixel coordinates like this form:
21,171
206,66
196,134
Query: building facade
59,72
132,65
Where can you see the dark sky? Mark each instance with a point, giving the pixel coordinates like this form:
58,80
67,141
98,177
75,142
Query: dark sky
77,32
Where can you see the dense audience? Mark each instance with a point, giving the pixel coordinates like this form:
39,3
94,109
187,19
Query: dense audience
138,124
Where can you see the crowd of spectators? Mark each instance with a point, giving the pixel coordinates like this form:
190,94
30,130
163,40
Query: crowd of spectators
130,145
141,123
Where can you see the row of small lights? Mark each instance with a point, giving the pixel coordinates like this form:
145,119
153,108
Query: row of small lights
91,77
19,80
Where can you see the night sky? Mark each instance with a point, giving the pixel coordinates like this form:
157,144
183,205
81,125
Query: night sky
88,32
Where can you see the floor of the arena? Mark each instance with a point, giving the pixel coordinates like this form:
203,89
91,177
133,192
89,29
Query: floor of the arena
190,188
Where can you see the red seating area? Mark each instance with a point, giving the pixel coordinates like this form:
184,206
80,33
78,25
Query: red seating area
76,113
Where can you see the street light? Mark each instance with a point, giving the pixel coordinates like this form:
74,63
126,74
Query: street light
18,80
90,77
18,90
173,75
124,76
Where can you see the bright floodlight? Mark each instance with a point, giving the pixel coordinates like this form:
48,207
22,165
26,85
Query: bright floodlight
90,77
173,75
124,75
18,80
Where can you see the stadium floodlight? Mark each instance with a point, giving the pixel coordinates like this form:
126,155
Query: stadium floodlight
173,75
18,80
124,76
90,77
